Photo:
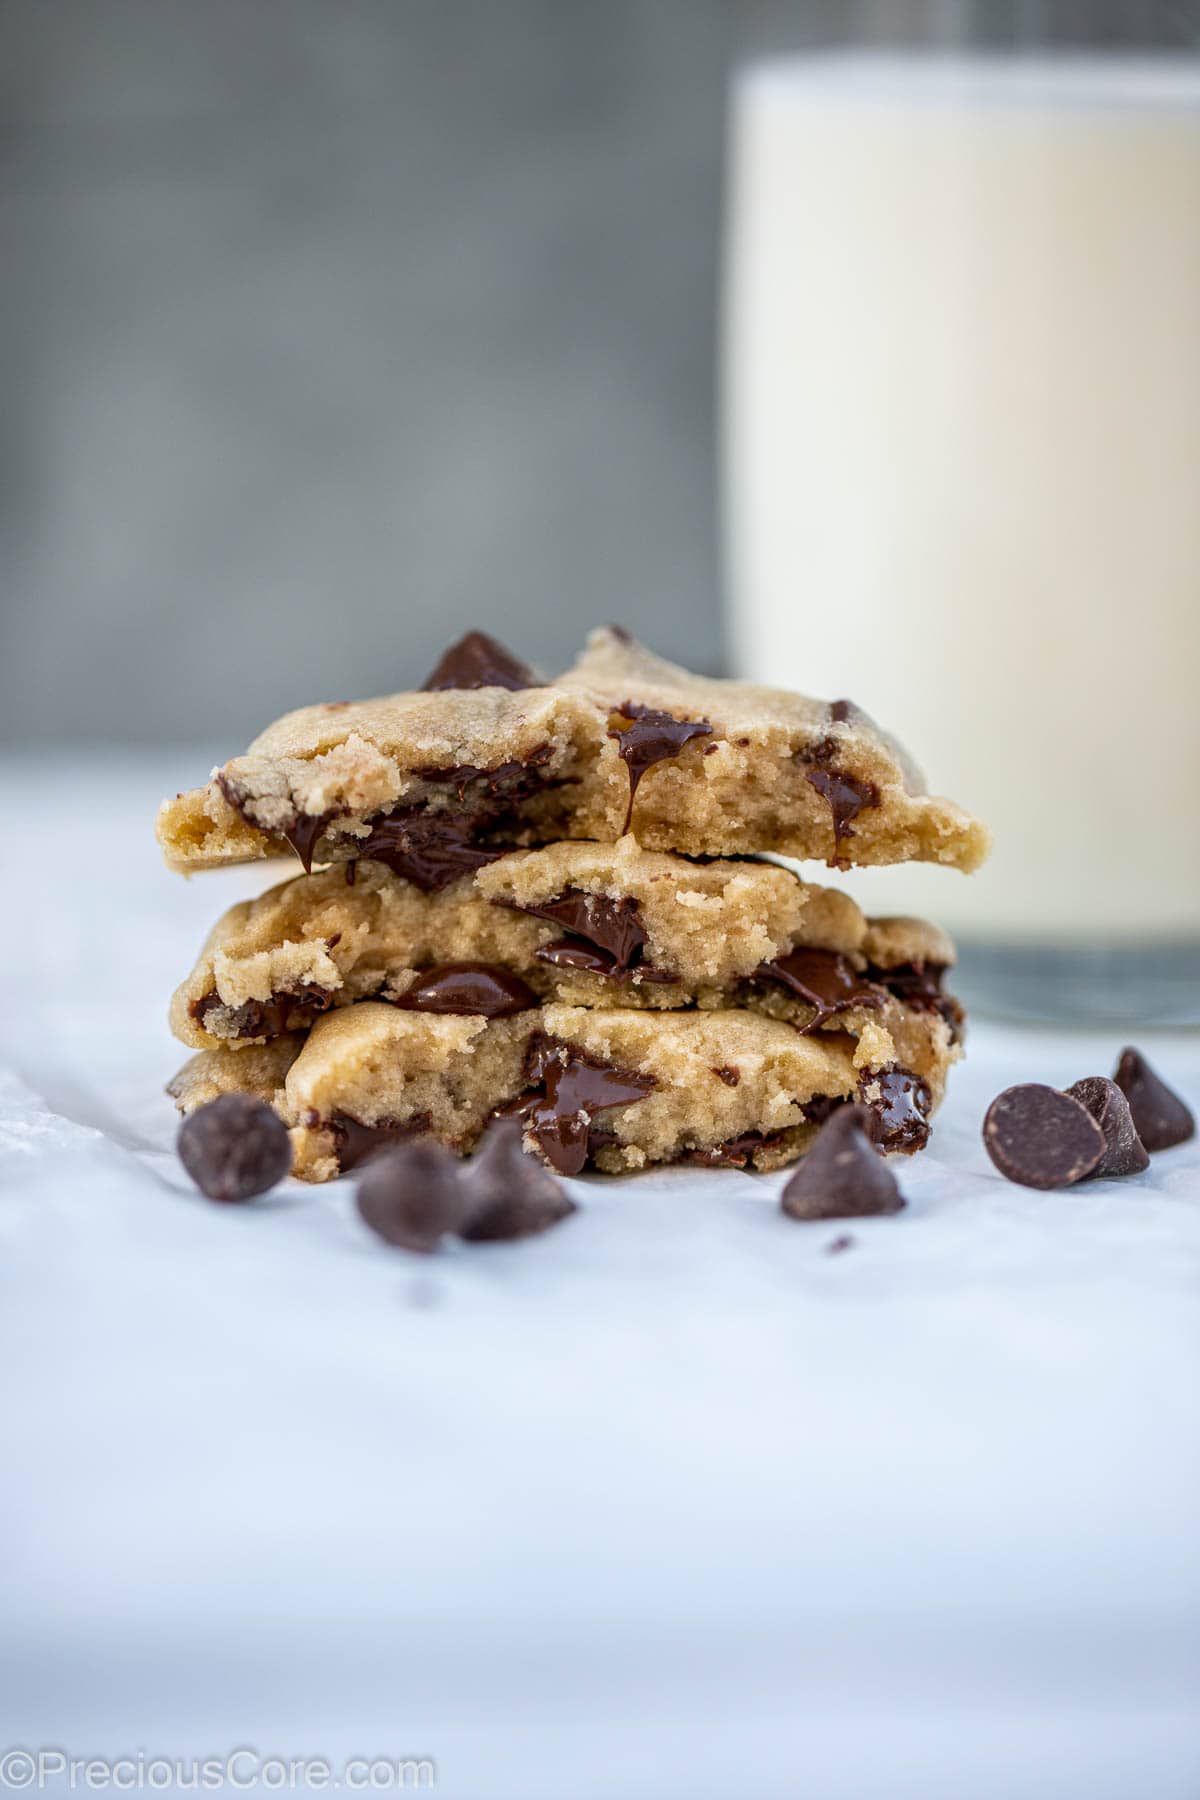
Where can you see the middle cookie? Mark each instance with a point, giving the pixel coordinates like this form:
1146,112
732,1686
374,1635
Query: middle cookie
595,925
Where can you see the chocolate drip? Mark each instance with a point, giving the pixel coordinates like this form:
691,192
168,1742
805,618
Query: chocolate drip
283,1011
569,1088
433,847
848,795
477,661
653,737
302,832
824,979
919,985
355,1142
467,988
899,1102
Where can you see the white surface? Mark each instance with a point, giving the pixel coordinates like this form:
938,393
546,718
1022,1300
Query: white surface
669,1502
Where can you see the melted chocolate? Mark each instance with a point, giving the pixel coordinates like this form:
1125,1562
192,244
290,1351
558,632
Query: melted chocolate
430,849
467,988
899,1103
266,1018
433,847
354,1142
614,927
735,1152
569,1088
573,953
653,737
848,795
477,661
919,985
302,833
824,979
818,1109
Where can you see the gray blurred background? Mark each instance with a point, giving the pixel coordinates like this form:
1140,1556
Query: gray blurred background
336,326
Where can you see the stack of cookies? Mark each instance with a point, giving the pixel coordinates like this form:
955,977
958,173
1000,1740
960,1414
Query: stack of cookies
548,899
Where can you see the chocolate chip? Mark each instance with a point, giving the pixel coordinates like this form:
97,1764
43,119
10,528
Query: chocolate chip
574,953
735,1152
1042,1138
848,795
899,1103
477,661
467,988
234,1148
824,979
510,1194
569,1088
1160,1116
842,1176
413,1196
612,926
283,1011
430,849
653,737
356,1143
1124,1152
919,985
729,1076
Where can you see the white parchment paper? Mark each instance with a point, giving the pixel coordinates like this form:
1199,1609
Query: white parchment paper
671,1501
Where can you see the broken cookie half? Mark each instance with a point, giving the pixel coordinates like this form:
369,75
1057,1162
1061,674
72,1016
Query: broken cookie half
436,783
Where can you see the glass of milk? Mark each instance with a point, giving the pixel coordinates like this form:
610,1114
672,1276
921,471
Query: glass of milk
962,479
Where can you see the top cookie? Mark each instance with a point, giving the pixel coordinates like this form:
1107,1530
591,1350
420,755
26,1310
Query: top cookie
436,783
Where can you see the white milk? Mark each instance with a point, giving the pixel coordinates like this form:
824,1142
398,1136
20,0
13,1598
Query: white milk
963,457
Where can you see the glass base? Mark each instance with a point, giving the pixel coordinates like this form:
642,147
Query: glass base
1090,984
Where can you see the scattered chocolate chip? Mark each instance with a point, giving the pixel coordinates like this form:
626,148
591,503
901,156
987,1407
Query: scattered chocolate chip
729,1076
356,1143
413,1196
569,1087
477,661
898,1102
1124,1152
283,1011
612,926
234,1147
848,795
1160,1116
467,988
837,1245
653,737
842,1176
824,979
919,985
1042,1138
845,712
510,1194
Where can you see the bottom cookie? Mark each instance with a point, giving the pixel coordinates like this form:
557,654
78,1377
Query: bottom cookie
616,1088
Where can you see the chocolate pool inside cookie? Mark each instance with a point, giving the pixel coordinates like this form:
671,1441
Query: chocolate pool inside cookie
569,1088
467,988
824,979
